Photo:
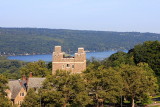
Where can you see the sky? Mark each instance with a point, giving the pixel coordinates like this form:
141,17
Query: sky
100,15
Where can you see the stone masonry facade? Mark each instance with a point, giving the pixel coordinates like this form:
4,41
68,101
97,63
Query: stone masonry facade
75,64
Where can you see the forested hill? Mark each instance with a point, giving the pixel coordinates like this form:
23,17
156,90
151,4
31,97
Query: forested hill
41,40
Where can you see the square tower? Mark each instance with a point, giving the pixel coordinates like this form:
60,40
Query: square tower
75,64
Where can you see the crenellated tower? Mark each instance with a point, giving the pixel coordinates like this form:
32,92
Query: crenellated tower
75,64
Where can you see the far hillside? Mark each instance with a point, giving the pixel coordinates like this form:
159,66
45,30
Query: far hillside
15,41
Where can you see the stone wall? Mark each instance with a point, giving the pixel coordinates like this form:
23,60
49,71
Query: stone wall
20,97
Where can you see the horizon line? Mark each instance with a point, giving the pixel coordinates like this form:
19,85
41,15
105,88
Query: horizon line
77,29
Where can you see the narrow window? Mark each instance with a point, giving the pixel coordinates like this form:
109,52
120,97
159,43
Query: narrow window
20,102
62,66
21,94
72,66
67,65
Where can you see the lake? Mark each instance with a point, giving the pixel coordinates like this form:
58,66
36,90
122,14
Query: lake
48,57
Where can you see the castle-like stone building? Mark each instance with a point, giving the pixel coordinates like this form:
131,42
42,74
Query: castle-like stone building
75,64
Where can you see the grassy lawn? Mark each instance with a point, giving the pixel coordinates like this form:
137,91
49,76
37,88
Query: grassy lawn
154,106
158,96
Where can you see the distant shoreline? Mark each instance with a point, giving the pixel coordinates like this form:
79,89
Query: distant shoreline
48,57
35,41
27,54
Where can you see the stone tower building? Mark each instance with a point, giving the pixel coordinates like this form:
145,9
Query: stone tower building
75,64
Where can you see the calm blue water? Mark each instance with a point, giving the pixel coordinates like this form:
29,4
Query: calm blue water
48,57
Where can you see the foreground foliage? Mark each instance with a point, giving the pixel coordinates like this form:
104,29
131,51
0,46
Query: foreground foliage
38,69
63,89
138,82
4,101
32,99
96,86
148,52
103,84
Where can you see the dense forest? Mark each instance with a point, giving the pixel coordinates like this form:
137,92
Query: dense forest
14,41
10,68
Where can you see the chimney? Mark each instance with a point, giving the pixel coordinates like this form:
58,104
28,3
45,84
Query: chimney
30,75
24,77
20,82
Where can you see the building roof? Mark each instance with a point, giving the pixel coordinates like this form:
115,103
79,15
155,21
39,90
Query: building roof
15,86
35,82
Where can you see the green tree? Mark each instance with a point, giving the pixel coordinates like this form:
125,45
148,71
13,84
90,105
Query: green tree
138,81
10,68
32,99
49,65
65,89
117,59
3,84
51,98
37,68
4,101
148,52
3,58
103,84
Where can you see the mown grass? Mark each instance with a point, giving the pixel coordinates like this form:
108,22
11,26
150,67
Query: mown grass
154,106
158,96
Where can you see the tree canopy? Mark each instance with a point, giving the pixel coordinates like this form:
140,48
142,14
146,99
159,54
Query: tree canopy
38,69
32,99
118,59
4,101
64,89
10,68
103,84
148,52
138,82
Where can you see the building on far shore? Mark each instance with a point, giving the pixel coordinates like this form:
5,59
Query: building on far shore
75,64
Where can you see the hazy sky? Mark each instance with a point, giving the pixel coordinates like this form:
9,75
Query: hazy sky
107,15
